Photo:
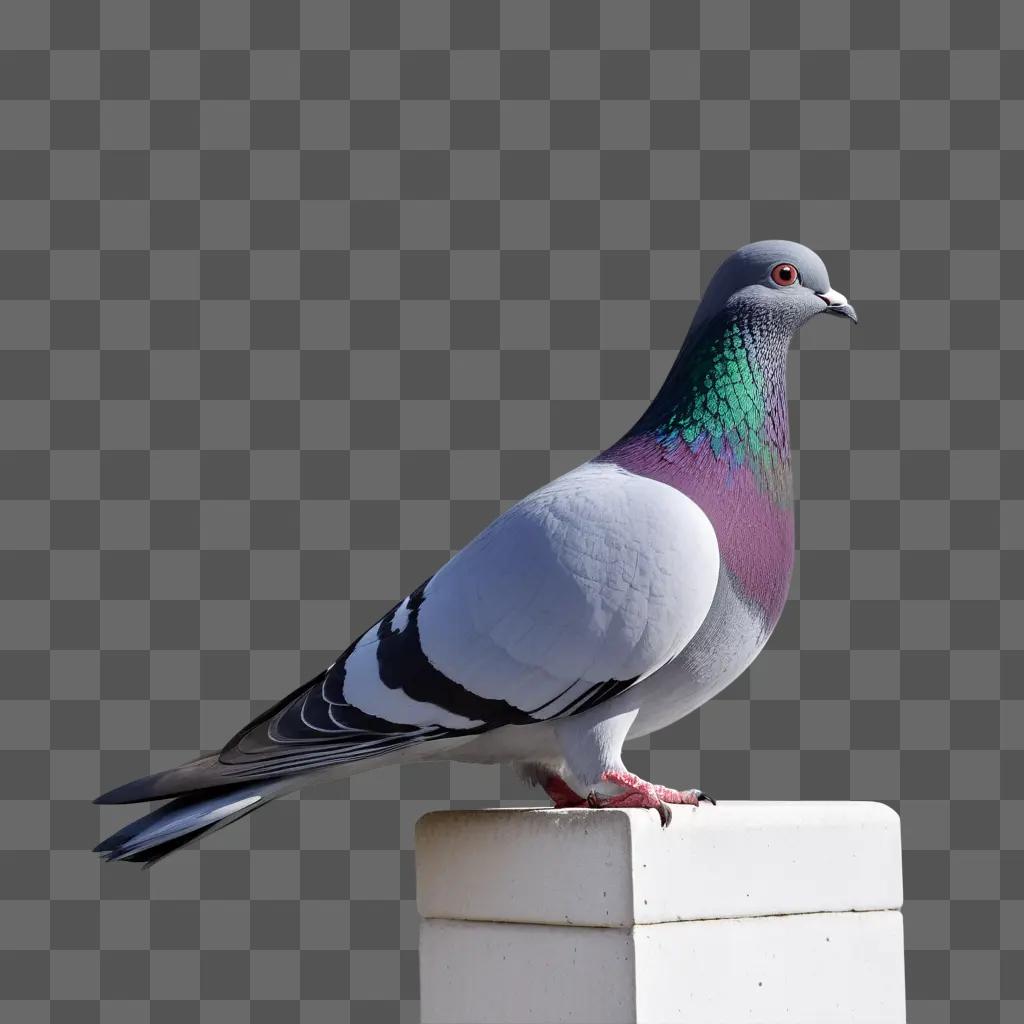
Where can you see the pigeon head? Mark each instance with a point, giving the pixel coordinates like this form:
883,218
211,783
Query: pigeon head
782,282
724,398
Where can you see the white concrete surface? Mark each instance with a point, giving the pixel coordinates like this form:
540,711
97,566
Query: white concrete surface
617,868
801,969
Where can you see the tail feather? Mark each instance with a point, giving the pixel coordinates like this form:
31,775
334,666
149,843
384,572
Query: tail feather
183,821
204,773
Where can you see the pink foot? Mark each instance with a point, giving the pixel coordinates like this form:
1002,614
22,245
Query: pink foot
561,793
640,793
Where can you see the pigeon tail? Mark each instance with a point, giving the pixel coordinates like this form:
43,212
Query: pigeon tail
201,774
184,820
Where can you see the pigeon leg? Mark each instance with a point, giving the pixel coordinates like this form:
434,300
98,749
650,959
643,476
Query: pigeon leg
639,793
561,793
592,749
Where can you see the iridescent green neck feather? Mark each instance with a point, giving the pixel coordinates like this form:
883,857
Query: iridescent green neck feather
726,395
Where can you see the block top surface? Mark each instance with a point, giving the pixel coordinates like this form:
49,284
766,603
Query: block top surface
617,868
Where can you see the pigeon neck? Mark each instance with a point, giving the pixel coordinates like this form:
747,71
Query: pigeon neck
726,393
718,432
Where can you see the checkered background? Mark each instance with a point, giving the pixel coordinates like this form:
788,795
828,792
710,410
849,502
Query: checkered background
295,297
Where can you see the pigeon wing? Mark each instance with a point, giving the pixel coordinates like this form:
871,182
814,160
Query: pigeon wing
576,593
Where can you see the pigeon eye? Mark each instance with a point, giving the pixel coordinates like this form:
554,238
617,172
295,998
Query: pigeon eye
785,274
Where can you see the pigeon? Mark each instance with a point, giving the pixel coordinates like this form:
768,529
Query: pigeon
604,606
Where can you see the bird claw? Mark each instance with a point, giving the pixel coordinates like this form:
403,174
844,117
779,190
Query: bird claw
689,796
632,798
638,793
684,796
665,813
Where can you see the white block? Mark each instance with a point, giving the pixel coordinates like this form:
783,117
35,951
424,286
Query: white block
802,969
617,868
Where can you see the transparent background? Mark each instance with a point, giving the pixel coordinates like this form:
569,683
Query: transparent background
295,297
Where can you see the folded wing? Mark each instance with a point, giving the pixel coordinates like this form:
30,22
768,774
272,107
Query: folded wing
580,591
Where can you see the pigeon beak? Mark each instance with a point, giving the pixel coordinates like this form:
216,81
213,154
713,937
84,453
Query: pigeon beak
835,303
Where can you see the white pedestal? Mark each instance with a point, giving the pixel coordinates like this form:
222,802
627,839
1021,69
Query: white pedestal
748,911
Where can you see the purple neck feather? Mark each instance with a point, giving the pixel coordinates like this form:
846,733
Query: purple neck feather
718,431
